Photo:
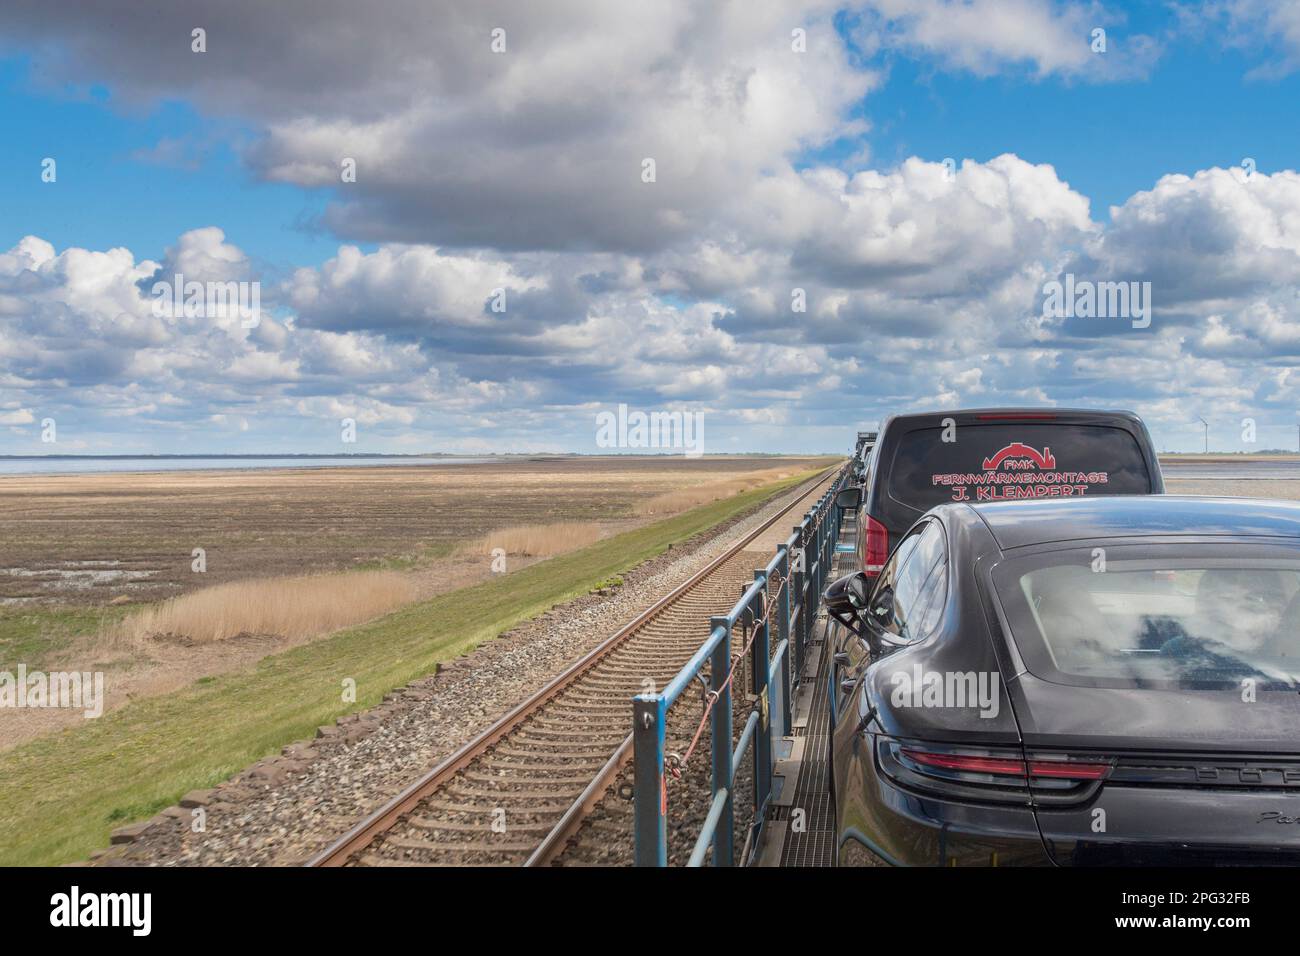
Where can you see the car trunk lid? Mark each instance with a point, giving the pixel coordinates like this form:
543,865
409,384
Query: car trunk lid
1195,776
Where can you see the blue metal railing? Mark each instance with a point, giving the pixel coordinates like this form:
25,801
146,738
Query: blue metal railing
786,594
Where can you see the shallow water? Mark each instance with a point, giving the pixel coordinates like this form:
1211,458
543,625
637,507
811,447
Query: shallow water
50,465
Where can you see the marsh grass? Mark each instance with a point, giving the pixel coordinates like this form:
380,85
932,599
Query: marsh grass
291,608
683,499
539,540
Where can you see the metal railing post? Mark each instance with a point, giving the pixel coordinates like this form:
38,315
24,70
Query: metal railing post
816,595
810,589
762,736
824,552
651,836
783,600
784,635
801,630
719,664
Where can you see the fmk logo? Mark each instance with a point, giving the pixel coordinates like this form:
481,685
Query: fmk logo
1017,451
103,909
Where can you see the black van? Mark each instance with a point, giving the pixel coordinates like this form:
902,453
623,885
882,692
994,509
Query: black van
994,454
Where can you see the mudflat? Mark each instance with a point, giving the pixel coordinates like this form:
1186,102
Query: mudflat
91,539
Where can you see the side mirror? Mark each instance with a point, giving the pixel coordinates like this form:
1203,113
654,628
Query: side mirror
846,598
848,498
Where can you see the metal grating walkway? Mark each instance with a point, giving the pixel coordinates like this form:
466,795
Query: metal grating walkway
815,845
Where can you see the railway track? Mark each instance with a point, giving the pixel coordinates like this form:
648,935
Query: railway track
515,794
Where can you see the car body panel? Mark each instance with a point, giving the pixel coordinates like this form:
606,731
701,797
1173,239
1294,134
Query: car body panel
1061,717
1154,826
1022,524
878,818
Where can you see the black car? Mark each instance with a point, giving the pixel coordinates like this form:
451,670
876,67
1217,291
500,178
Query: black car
995,454
1088,681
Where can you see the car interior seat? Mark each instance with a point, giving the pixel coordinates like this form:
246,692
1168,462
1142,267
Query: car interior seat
1234,606
1073,625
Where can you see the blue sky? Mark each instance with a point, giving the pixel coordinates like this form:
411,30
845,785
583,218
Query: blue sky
111,192
519,171
1197,110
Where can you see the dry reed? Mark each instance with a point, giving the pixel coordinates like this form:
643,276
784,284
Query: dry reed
539,540
683,499
292,608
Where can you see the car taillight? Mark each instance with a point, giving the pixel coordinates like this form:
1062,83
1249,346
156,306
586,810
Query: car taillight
876,546
993,775
1063,768
1060,768
966,763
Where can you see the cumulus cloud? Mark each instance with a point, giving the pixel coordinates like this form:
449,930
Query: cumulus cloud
399,337
407,291
505,267
1221,250
539,146
17,416
921,289
986,36
1217,235
79,333
925,231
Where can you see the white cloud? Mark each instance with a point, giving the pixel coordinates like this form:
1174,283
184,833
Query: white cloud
987,36
1270,28
19,416
540,146
920,290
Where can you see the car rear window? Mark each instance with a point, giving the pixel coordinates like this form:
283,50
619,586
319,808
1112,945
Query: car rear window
1015,460
1156,616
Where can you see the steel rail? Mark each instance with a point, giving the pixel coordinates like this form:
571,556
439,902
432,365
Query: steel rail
379,821
553,843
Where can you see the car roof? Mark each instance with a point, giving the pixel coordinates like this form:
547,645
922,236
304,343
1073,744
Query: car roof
1015,524
1027,412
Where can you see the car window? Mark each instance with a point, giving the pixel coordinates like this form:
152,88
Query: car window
889,573
930,604
906,577
1183,617
1016,460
